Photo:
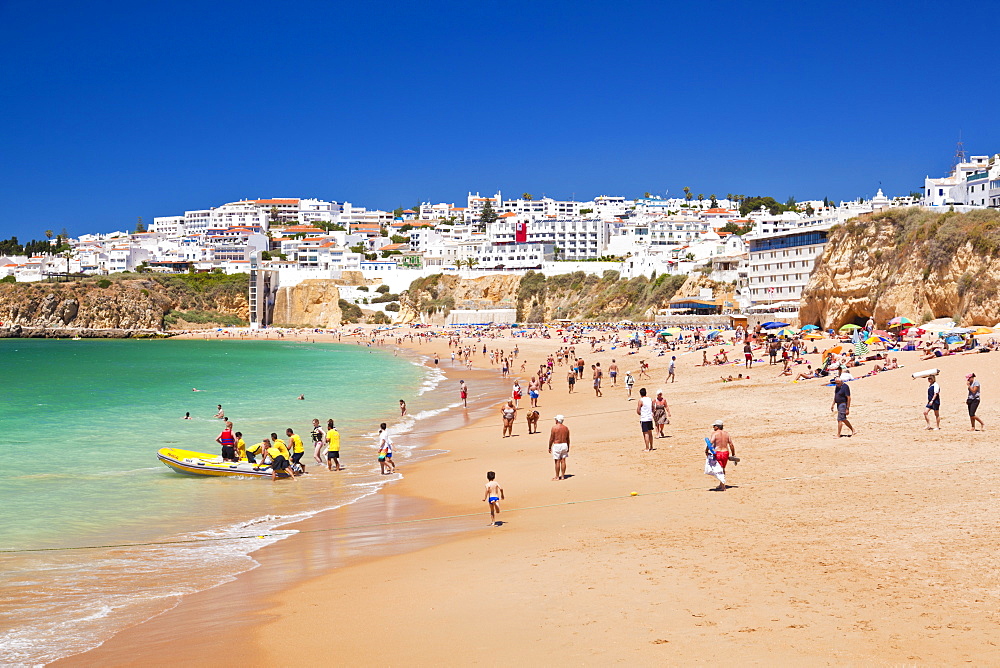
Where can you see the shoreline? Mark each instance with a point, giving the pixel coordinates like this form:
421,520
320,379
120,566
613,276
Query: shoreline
380,524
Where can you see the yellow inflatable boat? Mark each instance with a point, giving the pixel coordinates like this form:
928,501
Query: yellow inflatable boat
200,463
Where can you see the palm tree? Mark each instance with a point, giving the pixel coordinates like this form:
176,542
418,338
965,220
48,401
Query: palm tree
48,234
470,263
68,254
687,193
701,198
527,196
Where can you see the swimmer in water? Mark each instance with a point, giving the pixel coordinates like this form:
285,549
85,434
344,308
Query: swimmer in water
220,414
187,416
302,397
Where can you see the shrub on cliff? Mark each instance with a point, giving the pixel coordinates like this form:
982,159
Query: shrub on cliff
350,312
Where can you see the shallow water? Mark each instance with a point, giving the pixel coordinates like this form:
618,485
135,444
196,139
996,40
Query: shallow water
82,421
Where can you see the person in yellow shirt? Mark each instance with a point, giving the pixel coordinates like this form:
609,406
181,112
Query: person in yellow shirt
279,459
257,449
297,448
241,447
332,448
278,443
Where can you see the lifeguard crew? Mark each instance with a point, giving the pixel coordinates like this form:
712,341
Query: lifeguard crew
297,449
279,462
257,449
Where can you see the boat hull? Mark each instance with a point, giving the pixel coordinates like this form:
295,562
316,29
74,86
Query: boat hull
203,464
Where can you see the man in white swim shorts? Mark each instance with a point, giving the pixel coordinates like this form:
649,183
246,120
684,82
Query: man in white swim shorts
559,446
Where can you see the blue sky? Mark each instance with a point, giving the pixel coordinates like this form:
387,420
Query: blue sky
113,110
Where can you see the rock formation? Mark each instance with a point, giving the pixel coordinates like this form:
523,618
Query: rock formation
32,309
908,263
311,303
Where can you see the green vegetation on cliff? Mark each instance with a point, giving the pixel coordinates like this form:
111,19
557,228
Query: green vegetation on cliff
576,296
934,236
580,296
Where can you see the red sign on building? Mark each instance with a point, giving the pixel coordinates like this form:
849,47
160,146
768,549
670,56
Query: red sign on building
521,233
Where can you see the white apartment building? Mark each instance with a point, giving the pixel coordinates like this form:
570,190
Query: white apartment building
546,207
781,260
446,252
607,207
953,189
576,239
504,257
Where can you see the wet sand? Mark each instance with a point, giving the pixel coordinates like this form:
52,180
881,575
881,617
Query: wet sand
874,548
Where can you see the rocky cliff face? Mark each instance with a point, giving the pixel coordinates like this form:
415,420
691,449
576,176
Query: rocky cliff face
311,303
537,298
908,263
33,308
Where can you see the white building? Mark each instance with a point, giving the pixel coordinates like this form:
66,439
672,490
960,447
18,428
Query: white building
781,260
506,257
576,239
952,189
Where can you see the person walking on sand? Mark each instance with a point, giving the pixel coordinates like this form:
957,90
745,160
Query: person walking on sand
571,379
597,380
747,355
629,382
720,448
508,413
493,496
644,409
973,400
933,403
559,446
402,408
842,403
661,413
533,387
613,372
671,368
515,394
463,393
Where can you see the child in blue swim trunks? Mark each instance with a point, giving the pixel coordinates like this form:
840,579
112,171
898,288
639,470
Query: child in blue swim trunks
493,494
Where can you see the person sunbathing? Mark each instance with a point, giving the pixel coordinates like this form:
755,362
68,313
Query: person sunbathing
807,374
786,371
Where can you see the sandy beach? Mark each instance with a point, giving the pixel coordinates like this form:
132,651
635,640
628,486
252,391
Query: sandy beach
824,550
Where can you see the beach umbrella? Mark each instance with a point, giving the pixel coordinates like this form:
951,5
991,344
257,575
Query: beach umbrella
774,325
953,339
849,326
786,332
960,330
875,339
811,327
813,336
880,332
982,330
835,349
899,320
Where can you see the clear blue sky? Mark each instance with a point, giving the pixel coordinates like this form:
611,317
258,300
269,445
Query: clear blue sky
113,110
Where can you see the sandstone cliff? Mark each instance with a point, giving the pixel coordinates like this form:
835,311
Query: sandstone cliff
537,298
311,303
28,307
910,263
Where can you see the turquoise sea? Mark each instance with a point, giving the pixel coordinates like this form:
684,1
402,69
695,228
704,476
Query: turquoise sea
81,424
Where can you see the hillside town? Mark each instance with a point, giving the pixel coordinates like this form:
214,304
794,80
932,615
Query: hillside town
766,250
